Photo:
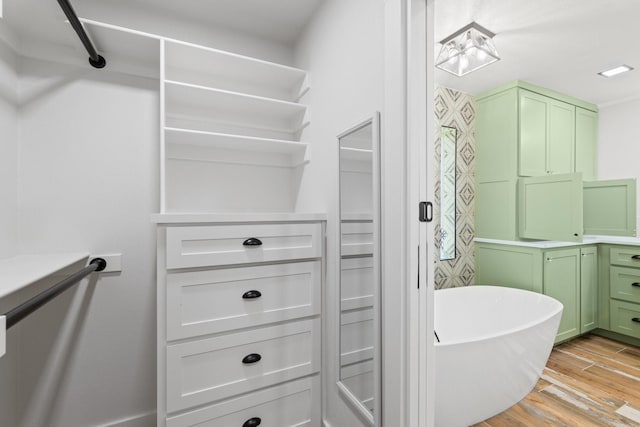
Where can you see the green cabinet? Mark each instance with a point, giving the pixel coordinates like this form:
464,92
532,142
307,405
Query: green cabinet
547,135
609,207
569,275
550,207
524,130
586,147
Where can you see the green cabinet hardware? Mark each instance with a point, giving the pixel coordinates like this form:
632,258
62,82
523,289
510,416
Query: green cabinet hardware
609,207
550,208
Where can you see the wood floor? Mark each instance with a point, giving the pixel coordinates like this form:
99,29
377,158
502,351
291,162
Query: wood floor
589,381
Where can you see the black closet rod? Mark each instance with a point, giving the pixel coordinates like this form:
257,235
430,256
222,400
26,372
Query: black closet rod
31,305
94,59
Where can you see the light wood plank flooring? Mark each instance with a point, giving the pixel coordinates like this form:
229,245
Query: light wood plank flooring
589,381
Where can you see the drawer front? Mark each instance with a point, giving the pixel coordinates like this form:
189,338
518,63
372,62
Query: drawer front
625,257
203,371
625,318
357,238
359,379
295,403
200,246
356,336
356,283
207,302
625,283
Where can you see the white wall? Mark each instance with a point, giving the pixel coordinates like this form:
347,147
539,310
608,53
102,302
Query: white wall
619,143
342,49
8,151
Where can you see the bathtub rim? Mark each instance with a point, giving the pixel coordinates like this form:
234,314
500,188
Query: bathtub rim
503,332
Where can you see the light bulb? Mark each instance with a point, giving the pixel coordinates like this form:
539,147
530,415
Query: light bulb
464,62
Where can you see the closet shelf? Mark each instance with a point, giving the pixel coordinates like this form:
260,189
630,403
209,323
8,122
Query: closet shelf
207,66
227,106
188,144
21,271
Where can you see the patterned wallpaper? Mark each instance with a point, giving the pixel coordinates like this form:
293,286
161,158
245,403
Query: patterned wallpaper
457,109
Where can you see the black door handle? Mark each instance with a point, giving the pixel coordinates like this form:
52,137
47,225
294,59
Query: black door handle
636,284
252,422
251,294
251,358
635,257
636,319
252,241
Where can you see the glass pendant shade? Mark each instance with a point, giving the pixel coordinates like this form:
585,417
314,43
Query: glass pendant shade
467,50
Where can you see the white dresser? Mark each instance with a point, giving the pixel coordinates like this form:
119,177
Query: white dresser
239,328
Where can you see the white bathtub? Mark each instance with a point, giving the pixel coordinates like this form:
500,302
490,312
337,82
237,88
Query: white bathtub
494,343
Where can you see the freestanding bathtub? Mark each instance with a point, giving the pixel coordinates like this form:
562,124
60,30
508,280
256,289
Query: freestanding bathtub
494,344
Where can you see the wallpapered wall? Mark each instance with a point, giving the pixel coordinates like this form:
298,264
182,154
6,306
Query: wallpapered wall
457,109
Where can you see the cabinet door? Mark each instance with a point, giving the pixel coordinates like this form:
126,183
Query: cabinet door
550,208
560,137
533,134
562,282
588,289
510,266
586,143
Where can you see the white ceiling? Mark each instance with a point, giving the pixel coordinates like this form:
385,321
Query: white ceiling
558,44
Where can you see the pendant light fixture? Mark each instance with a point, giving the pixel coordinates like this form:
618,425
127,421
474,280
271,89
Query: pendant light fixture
468,49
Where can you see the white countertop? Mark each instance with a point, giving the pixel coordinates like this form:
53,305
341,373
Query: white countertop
21,271
190,217
545,244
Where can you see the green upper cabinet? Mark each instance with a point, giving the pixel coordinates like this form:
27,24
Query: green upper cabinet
610,207
547,135
586,147
550,207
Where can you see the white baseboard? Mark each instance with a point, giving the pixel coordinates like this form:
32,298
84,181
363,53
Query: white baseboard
148,419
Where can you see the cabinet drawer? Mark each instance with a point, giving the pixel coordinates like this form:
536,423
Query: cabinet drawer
625,283
625,257
625,318
357,237
287,405
203,371
356,336
199,246
207,302
356,283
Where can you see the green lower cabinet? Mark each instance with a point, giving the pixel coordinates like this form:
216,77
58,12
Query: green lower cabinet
568,275
588,289
562,282
625,318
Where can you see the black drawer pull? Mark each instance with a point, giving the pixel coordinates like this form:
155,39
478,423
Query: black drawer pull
252,241
635,257
251,295
636,319
636,284
252,422
251,358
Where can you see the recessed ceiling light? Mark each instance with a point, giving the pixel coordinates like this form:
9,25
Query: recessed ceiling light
615,71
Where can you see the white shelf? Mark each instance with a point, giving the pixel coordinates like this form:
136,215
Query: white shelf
21,271
184,100
200,218
212,67
187,144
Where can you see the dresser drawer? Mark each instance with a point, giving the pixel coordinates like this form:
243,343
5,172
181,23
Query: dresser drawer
294,403
625,283
357,238
625,318
212,245
356,336
625,257
211,301
203,371
356,283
